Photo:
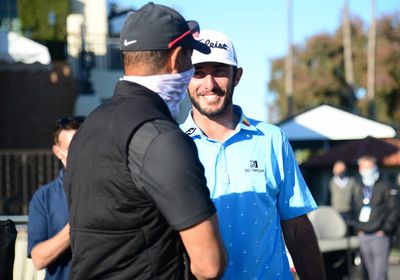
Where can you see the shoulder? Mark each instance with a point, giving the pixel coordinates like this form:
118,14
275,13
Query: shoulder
161,135
44,191
162,125
155,129
39,199
353,181
383,182
269,130
271,135
264,126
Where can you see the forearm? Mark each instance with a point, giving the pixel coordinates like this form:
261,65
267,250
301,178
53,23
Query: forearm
302,244
205,249
47,251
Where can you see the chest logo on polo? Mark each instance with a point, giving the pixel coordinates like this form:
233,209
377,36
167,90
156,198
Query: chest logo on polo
253,167
190,131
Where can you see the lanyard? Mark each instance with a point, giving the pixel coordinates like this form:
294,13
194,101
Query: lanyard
367,193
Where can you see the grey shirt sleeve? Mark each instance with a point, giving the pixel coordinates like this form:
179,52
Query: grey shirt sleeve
164,165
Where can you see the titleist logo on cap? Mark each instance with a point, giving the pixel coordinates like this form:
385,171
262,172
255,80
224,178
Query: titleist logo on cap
215,44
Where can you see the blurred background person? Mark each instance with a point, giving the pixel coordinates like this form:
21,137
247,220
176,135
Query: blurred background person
341,190
48,228
8,235
377,208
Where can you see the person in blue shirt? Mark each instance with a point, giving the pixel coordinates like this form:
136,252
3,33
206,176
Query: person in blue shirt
48,228
254,180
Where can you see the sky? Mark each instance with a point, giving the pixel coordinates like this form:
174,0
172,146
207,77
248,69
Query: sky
258,30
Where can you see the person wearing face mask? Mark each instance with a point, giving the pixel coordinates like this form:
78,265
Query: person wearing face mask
341,190
137,194
48,228
377,205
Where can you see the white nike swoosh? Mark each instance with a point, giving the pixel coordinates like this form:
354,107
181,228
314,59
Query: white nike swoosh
127,43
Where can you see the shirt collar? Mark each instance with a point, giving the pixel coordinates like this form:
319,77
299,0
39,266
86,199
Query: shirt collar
191,129
61,175
244,122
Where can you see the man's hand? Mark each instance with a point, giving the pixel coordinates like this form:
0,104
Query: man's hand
49,250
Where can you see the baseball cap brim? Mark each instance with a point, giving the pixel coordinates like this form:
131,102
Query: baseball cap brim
196,45
189,37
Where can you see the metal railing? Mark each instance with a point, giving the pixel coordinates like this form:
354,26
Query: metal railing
21,173
104,47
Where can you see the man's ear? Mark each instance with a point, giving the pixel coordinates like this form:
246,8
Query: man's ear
174,60
239,73
56,151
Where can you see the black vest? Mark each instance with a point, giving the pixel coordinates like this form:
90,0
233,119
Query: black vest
116,231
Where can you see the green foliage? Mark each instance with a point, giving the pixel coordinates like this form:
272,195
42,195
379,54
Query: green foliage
302,155
34,15
319,76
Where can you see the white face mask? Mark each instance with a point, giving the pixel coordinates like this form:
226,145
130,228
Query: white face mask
369,176
171,87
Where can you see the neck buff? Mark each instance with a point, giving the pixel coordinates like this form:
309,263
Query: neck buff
170,87
370,176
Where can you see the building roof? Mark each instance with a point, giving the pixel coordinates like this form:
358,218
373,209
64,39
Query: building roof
329,123
392,159
15,48
351,151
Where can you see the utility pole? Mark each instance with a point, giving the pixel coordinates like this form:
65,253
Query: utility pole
348,57
289,62
371,63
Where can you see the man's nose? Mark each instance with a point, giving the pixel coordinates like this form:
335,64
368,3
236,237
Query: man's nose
209,82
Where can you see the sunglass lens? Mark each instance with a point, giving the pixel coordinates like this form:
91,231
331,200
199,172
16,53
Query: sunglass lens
79,119
194,28
63,122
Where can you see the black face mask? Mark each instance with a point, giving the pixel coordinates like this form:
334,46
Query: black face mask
341,175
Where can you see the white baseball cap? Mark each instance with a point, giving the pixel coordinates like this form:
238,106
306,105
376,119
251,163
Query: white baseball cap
222,49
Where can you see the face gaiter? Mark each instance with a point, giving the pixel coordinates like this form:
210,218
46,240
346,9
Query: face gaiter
369,176
170,87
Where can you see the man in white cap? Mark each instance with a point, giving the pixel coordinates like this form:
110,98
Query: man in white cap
252,175
137,195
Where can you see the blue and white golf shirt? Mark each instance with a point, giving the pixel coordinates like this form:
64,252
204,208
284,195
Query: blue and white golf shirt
255,182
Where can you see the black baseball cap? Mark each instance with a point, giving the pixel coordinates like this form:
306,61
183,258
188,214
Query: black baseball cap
158,27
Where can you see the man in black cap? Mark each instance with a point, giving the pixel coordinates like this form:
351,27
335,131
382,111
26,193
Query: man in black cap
137,195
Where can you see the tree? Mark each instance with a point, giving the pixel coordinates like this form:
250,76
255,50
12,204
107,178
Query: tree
44,20
319,75
388,70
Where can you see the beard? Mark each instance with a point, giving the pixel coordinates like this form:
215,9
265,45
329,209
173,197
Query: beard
218,111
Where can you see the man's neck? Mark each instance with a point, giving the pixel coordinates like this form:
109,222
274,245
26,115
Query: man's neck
219,128
145,70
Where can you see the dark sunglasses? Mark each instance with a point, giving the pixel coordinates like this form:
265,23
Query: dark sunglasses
194,30
71,121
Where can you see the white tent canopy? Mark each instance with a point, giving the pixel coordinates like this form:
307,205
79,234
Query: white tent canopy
329,123
16,48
